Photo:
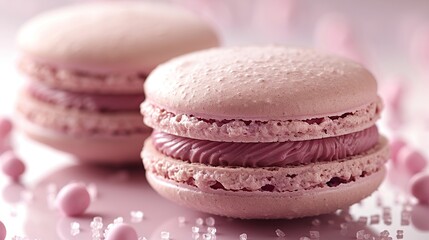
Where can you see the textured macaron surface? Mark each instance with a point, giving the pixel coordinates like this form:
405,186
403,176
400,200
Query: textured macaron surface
260,83
114,36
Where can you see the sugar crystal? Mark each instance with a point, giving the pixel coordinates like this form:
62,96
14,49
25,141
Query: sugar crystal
207,236
314,234
195,229
243,236
165,235
360,234
136,216
211,230
315,222
280,233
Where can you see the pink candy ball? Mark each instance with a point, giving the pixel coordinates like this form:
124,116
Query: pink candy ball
419,186
5,127
11,165
395,147
73,199
122,231
2,231
412,160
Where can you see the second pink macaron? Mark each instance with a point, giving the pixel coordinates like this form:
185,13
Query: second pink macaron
86,65
263,132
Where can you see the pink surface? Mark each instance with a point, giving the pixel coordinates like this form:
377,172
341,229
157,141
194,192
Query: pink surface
262,83
98,37
86,101
118,186
238,130
269,179
73,199
279,154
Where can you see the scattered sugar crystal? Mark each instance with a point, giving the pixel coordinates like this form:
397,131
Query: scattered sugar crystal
400,234
142,238
210,221
384,233
181,219
367,236
96,223
304,238
375,219
363,220
74,228
211,230
243,236
360,234
387,220
92,190
199,221
195,235
343,226
405,217
280,233
165,235
118,220
195,229
207,236
315,222
136,216
314,234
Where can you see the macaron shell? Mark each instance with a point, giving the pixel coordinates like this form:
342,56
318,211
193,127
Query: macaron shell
76,122
259,131
112,150
114,37
260,83
75,81
250,205
275,179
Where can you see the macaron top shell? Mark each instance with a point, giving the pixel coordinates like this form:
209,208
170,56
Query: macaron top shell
260,83
114,37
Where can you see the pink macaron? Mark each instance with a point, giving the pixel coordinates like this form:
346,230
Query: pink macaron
86,65
263,132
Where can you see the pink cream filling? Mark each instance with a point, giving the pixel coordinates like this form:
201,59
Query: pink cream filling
86,101
274,154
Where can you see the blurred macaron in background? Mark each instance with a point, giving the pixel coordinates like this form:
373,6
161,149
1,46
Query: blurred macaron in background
86,64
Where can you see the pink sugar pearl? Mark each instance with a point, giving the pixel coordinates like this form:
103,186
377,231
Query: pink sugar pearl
73,199
395,146
122,231
11,165
419,186
5,127
412,160
2,231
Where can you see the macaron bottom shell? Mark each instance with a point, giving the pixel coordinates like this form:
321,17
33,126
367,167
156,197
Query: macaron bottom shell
112,150
266,205
267,193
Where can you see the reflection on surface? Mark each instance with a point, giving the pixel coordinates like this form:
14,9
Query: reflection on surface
118,192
